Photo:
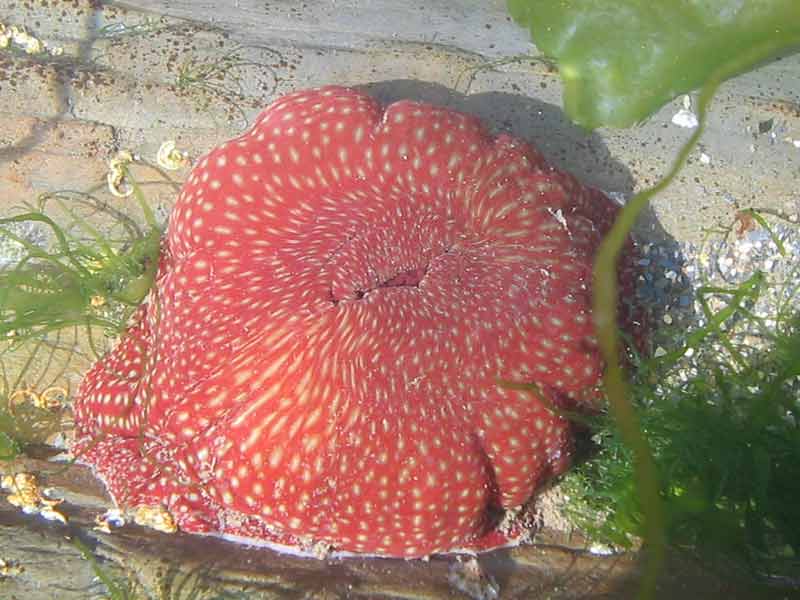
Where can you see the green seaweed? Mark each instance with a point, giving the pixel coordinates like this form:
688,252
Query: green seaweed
221,78
69,288
709,465
726,444
9,447
174,583
62,285
119,29
646,475
644,479
621,61
119,588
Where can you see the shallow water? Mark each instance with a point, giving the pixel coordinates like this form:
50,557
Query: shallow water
123,83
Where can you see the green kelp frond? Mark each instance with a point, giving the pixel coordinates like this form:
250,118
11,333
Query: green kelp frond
621,61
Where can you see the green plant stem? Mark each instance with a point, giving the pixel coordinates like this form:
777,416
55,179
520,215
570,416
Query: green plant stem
604,305
60,237
149,216
617,387
116,592
761,221
748,289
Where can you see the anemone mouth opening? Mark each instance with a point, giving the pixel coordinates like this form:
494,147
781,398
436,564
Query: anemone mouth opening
412,278
408,278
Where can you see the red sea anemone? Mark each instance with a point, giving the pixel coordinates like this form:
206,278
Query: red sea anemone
340,289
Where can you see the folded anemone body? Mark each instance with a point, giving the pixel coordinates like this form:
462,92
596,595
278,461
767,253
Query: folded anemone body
340,289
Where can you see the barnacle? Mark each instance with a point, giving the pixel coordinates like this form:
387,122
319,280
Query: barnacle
170,158
117,176
26,495
155,517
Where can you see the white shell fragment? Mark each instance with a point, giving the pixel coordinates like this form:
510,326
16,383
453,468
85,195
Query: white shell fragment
113,517
17,36
685,117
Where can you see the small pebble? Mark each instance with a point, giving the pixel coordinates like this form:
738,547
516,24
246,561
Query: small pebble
672,272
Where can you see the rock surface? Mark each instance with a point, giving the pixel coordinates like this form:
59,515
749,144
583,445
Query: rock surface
134,74
554,566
